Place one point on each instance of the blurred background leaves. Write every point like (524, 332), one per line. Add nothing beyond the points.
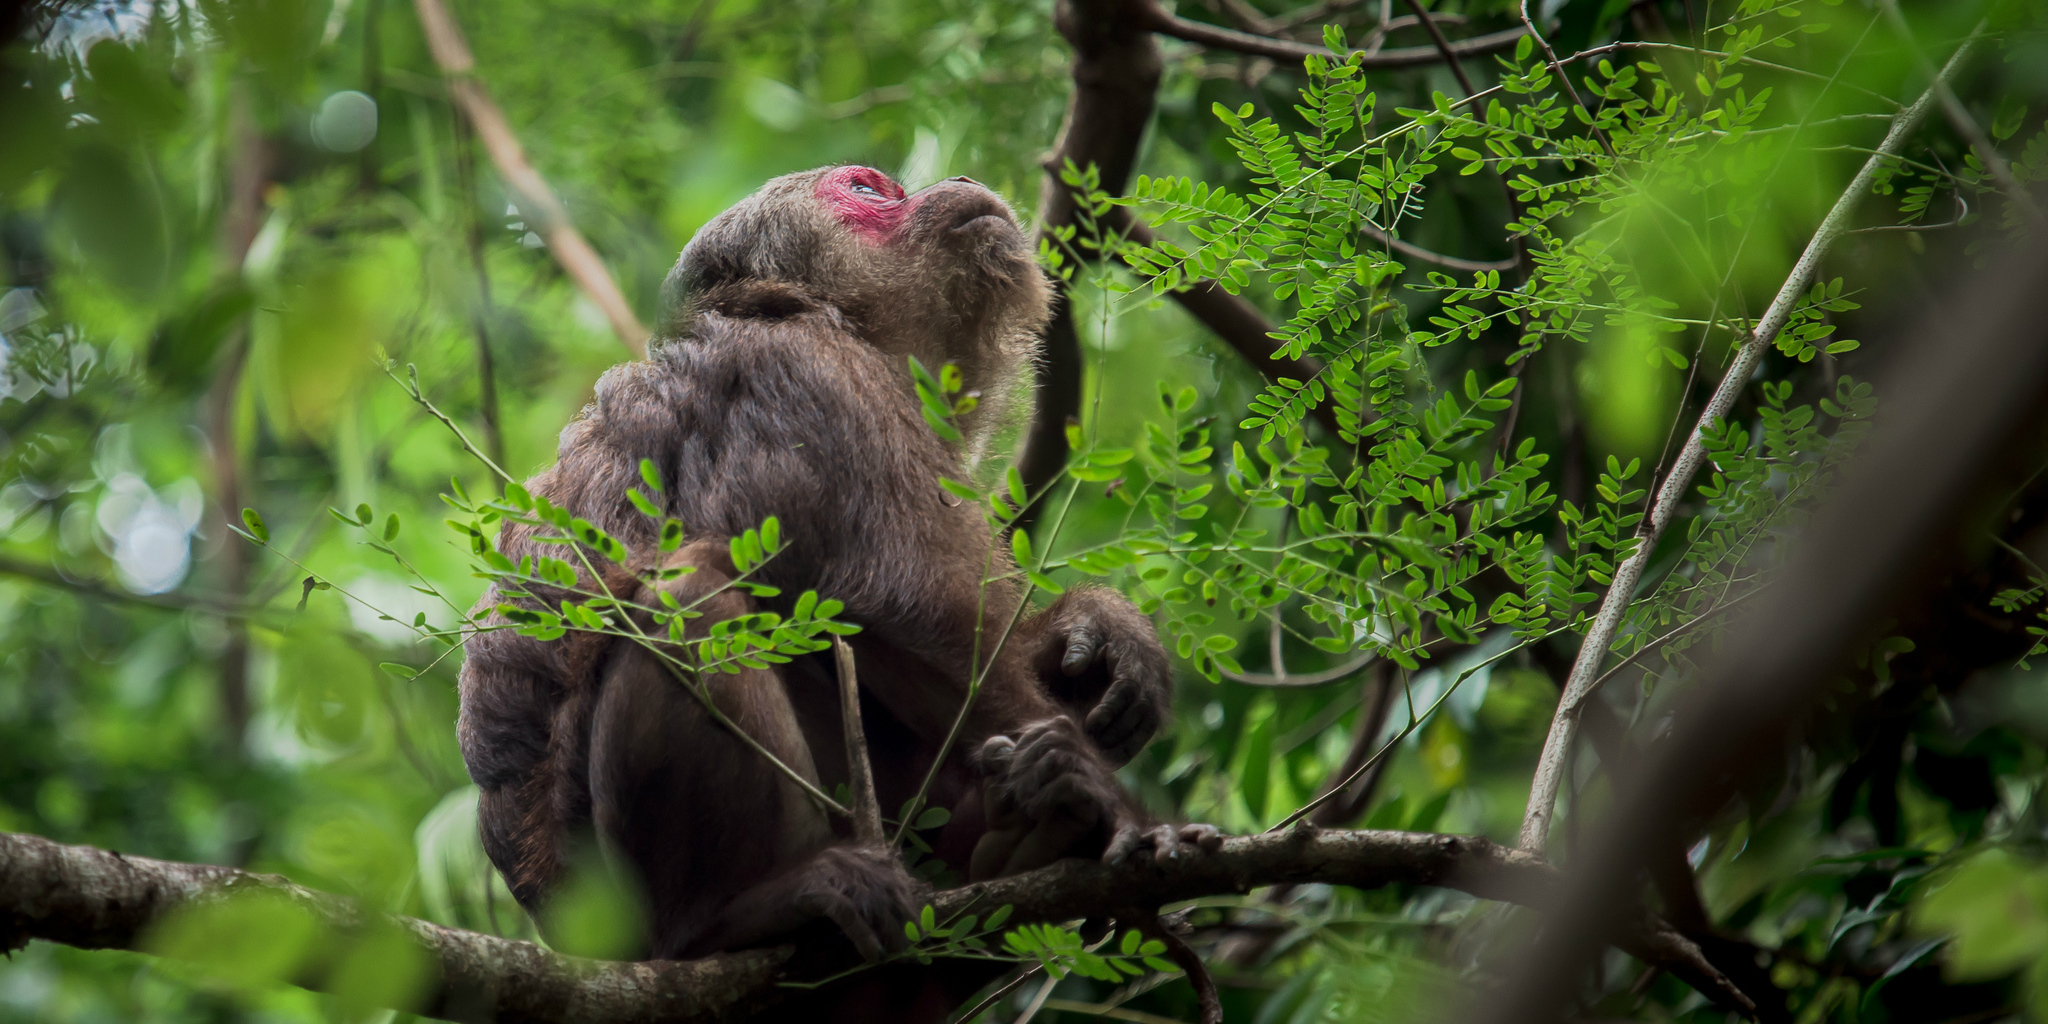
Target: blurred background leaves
(216, 217)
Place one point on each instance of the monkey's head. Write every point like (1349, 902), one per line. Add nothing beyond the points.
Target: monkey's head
(944, 273)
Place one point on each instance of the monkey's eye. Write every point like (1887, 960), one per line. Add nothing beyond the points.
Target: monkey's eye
(868, 190)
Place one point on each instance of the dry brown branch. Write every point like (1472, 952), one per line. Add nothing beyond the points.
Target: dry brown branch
(544, 213)
(1557, 69)
(1183, 954)
(867, 810)
(1414, 251)
(1550, 767)
(1443, 45)
(1218, 37)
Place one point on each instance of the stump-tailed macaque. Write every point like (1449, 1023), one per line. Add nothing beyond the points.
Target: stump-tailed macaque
(779, 385)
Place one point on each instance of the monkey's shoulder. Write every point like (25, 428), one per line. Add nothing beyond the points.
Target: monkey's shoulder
(738, 371)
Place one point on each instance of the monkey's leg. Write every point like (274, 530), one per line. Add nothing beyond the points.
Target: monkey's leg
(730, 850)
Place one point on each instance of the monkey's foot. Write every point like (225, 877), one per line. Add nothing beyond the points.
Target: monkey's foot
(863, 890)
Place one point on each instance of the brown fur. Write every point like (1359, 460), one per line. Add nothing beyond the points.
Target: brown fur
(780, 388)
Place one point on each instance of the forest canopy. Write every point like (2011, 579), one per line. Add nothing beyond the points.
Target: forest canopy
(1583, 456)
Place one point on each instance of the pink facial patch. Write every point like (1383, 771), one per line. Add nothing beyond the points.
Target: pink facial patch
(866, 201)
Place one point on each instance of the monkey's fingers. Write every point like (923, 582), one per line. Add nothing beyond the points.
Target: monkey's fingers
(1071, 797)
(1125, 719)
(995, 755)
(843, 913)
(1084, 645)
(992, 853)
(1047, 842)
(1166, 842)
(1208, 838)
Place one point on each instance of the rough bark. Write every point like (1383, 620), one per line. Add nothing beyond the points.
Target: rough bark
(97, 899)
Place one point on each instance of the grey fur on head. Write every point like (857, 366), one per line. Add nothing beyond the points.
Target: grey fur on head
(982, 301)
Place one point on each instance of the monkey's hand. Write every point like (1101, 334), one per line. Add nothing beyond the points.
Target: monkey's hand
(1102, 659)
(863, 890)
(1048, 794)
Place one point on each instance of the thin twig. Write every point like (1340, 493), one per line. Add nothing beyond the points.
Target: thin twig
(480, 317)
(1959, 117)
(1107, 1012)
(1282, 679)
(1516, 239)
(1550, 768)
(860, 772)
(1426, 256)
(1037, 1001)
(98, 590)
(993, 997)
(1443, 46)
(1414, 722)
(1217, 37)
(1148, 923)
(544, 213)
(1557, 69)
(1688, 626)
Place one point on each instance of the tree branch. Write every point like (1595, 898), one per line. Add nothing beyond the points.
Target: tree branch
(1116, 82)
(97, 899)
(537, 203)
(860, 772)
(1217, 37)
(1550, 767)
(1230, 317)
(1959, 117)
(1963, 423)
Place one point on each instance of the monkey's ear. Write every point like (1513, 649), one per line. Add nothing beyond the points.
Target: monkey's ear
(764, 300)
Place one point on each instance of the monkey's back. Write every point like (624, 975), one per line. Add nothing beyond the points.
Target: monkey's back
(795, 418)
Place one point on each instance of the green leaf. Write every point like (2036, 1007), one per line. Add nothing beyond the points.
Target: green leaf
(1020, 547)
(1045, 583)
(1254, 782)
(933, 817)
(254, 522)
(650, 474)
(364, 515)
(671, 535)
(390, 527)
(398, 671)
(1996, 906)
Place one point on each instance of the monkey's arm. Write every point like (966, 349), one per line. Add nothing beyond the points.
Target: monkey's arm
(525, 701)
(1101, 660)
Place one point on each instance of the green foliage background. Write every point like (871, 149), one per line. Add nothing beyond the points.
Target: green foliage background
(141, 361)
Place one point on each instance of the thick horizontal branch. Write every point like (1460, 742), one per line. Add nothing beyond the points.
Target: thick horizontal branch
(1361, 859)
(96, 899)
